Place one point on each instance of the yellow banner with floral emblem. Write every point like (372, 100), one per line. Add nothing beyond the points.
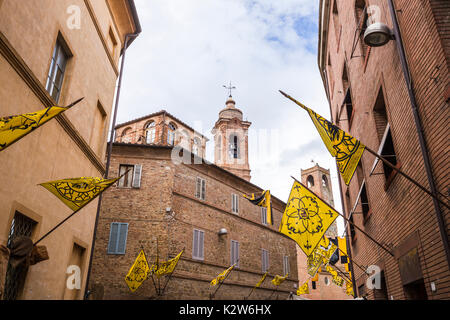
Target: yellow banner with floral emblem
(138, 272)
(277, 280)
(221, 277)
(304, 289)
(167, 267)
(306, 218)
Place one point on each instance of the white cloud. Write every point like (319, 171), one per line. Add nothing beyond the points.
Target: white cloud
(189, 49)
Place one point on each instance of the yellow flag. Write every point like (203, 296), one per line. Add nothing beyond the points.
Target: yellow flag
(346, 149)
(221, 276)
(304, 289)
(168, 266)
(261, 280)
(277, 280)
(336, 278)
(306, 218)
(13, 128)
(263, 200)
(77, 192)
(349, 288)
(138, 272)
(343, 252)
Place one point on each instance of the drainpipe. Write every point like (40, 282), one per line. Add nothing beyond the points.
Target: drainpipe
(127, 42)
(419, 129)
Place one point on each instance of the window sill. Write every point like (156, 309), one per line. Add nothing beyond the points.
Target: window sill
(392, 176)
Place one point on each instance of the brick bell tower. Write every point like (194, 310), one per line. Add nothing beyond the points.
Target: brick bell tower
(231, 140)
(318, 180)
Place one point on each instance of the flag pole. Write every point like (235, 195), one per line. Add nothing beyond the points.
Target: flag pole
(362, 231)
(142, 247)
(251, 291)
(168, 279)
(342, 273)
(352, 260)
(390, 165)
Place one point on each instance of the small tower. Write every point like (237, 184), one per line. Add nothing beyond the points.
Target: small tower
(231, 140)
(318, 180)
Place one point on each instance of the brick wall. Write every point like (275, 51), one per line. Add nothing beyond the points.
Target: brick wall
(398, 209)
(166, 185)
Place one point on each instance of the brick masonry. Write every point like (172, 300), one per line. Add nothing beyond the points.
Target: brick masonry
(167, 185)
(399, 211)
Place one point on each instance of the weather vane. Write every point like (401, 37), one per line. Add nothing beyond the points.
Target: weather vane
(229, 87)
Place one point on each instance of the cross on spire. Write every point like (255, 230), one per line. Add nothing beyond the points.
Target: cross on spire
(230, 87)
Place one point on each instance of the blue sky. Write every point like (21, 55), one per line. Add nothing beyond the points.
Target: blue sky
(189, 49)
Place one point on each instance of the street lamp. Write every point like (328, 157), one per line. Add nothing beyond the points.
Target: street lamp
(378, 34)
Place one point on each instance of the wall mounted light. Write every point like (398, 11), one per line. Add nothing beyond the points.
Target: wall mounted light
(223, 232)
(378, 34)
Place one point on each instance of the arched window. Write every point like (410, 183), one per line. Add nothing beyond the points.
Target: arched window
(125, 137)
(150, 132)
(324, 181)
(196, 146)
(234, 147)
(171, 134)
(310, 181)
(361, 17)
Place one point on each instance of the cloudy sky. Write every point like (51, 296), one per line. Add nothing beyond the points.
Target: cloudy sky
(188, 50)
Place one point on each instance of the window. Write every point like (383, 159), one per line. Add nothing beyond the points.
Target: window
(198, 244)
(98, 129)
(21, 225)
(352, 229)
(196, 146)
(324, 181)
(112, 42)
(171, 134)
(313, 285)
(364, 202)
(234, 147)
(200, 189)
(348, 107)
(57, 69)
(219, 148)
(264, 216)
(118, 238)
(264, 260)
(76, 259)
(336, 22)
(361, 20)
(310, 181)
(362, 290)
(126, 137)
(234, 203)
(286, 267)
(150, 131)
(234, 253)
(132, 178)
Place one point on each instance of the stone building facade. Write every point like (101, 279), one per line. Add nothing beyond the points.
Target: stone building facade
(185, 205)
(53, 52)
(318, 180)
(369, 98)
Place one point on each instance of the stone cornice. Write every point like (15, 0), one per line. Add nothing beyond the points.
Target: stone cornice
(21, 68)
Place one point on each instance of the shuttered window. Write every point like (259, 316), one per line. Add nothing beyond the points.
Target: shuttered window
(234, 253)
(286, 267)
(234, 203)
(264, 260)
(118, 238)
(197, 245)
(132, 178)
(200, 189)
(264, 216)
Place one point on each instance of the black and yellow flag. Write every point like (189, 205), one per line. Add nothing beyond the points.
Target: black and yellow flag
(138, 272)
(166, 267)
(13, 128)
(261, 280)
(306, 218)
(77, 192)
(346, 149)
(304, 289)
(277, 280)
(263, 200)
(221, 277)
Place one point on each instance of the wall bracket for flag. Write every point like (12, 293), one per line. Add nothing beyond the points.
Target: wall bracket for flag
(362, 231)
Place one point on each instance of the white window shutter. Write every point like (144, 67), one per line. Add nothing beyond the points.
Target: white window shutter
(137, 176)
